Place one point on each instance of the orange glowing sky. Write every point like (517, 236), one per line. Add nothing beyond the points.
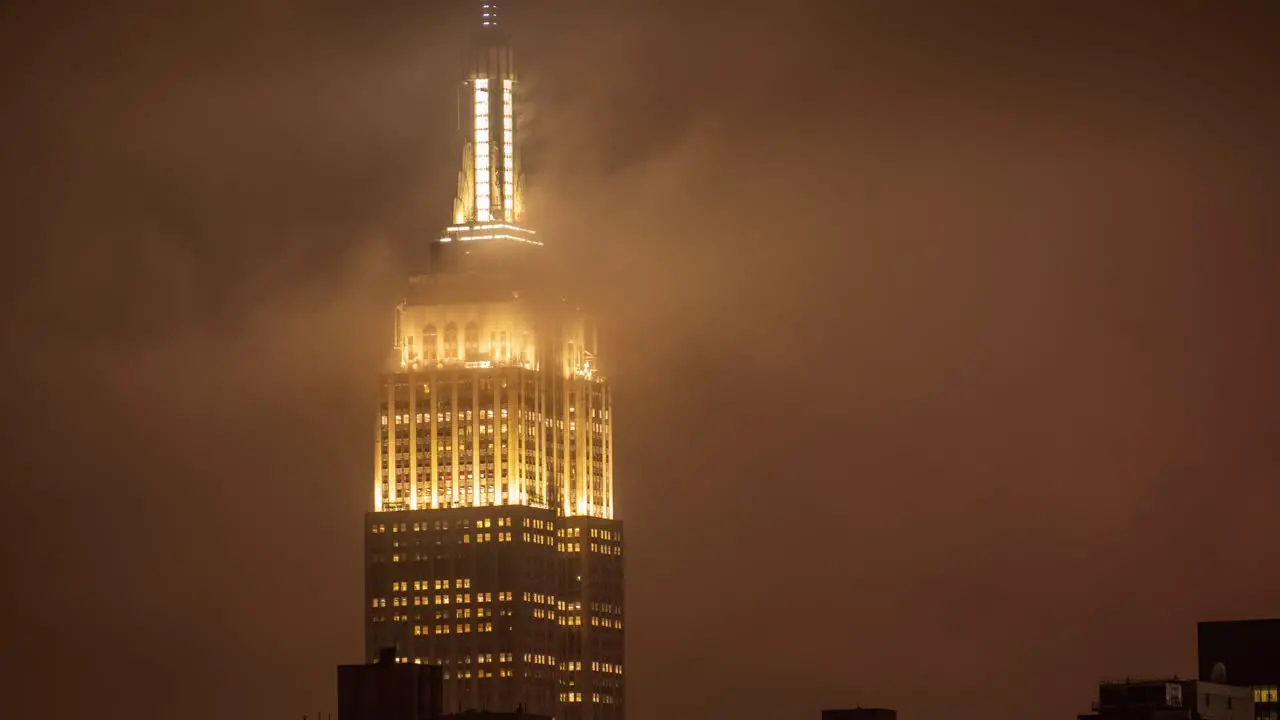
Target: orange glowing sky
(943, 337)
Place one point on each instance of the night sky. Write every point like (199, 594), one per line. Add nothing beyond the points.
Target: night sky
(945, 339)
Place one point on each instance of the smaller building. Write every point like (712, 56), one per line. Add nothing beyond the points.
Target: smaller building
(519, 714)
(1171, 699)
(860, 713)
(390, 690)
(1246, 653)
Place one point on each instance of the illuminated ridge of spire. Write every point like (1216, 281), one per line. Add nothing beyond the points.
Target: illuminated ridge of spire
(490, 200)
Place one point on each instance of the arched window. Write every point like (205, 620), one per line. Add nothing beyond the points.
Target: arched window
(473, 341)
(429, 348)
(451, 342)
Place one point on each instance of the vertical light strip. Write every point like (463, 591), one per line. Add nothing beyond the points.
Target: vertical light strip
(540, 446)
(578, 434)
(377, 462)
(508, 151)
(504, 459)
(495, 498)
(476, 424)
(588, 458)
(607, 419)
(455, 487)
(413, 444)
(391, 442)
(435, 450)
(518, 469)
(481, 119)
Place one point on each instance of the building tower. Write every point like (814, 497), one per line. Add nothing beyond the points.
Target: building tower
(492, 548)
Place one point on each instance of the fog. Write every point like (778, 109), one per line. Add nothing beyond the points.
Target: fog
(943, 338)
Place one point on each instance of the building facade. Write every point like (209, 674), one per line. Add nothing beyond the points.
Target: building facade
(492, 548)
(1171, 699)
(1243, 652)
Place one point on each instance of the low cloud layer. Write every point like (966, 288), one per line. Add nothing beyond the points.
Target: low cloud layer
(942, 339)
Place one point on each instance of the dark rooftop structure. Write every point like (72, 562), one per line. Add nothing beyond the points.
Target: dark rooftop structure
(389, 690)
(1244, 653)
(488, 715)
(1170, 699)
(1248, 650)
(860, 713)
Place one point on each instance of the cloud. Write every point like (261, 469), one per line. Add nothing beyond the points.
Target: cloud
(940, 339)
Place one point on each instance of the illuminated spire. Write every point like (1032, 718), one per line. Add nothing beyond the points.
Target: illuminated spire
(490, 185)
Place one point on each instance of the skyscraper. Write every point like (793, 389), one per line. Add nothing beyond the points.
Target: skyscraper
(492, 547)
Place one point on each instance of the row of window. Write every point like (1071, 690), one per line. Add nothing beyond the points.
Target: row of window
(471, 334)
(480, 674)
(460, 598)
(425, 600)
(462, 628)
(508, 537)
(445, 416)
(576, 697)
(466, 659)
(563, 620)
(576, 621)
(425, 526)
(468, 430)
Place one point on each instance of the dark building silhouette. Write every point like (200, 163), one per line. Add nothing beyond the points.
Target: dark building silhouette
(1170, 699)
(389, 690)
(485, 715)
(860, 713)
(1243, 652)
(492, 549)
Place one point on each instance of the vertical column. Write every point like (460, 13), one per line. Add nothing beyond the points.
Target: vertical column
(577, 430)
(499, 443)
(607, 424)
(587, 443)
(536, 471)
(399, 341)
(413, 441)
(508, 151)
(519, 466)
(377, 460)
(434, 443)
(571, 478)
(391, 439)
(476, 421)
(455, 483)
(480, 121)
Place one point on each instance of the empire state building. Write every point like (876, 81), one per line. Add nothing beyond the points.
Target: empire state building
(492, 549)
